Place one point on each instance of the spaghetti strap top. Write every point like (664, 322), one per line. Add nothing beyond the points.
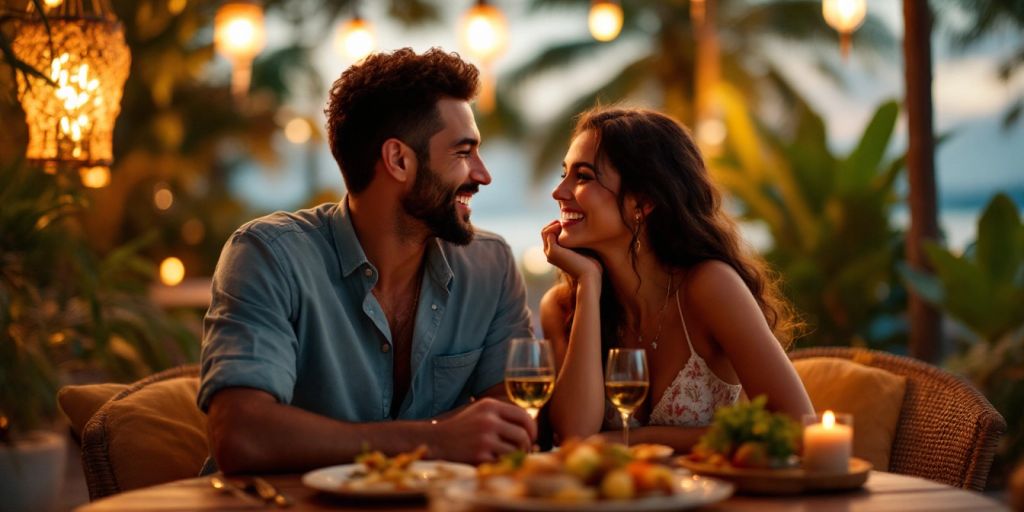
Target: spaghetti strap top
(696, 392)
(692, 397)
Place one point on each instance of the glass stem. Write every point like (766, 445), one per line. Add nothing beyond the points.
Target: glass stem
(625, 428)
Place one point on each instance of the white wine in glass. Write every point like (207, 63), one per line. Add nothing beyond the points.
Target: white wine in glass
(530, 374)
(626, 382)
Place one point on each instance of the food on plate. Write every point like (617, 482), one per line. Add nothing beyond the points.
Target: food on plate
(582, 470)
(746, 435)
(380, 473)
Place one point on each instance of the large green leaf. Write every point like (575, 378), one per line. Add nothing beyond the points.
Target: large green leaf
(861, 167)
(927, 285)
(968, 289)
(998, 251)
(743, 138)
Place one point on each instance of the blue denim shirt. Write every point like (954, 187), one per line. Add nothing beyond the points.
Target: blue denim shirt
(293, 315)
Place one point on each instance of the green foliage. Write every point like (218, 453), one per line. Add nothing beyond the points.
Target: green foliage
(983, 288)
(750, 422)
(64, 308)
(828, 215)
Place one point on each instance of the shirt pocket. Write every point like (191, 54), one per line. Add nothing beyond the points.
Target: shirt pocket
(451, 379)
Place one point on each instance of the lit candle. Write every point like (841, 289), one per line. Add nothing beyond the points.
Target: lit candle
(827, 445)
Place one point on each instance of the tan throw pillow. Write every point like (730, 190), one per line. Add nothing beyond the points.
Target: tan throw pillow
(873, 396)
(79, 403)
(152, 435)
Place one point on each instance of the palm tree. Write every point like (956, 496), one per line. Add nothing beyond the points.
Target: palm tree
(740, 29)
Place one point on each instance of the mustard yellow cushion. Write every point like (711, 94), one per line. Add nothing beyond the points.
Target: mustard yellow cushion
(80, 402)
(152, 435)
(874, 397)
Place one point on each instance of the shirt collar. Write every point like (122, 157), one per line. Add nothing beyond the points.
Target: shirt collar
(352, 257)
(350, 251)
(437, 264)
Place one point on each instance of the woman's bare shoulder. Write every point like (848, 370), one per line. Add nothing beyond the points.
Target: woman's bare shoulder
(713, 283)
(710, 275)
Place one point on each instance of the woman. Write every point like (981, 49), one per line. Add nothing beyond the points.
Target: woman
(651, 261)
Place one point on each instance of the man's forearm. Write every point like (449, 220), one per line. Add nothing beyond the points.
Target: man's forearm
(275, 437)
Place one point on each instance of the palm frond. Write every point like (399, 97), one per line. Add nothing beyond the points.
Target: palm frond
(553, 57)
(556, 133)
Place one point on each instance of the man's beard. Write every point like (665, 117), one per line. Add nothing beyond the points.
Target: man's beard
(433, 202)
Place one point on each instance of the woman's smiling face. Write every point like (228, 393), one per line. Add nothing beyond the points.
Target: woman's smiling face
(588, 199)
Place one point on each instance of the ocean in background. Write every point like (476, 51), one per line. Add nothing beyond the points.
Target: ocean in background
(522, 230)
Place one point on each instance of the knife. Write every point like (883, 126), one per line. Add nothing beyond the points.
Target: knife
(222, 484)
(269, 493)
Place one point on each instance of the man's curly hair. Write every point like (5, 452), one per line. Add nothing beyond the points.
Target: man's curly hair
(392, 95)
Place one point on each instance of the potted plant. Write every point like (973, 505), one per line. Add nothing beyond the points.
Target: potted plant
(983, 289)
(64, 309)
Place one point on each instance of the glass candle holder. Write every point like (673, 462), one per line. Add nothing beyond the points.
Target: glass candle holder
(828, 442)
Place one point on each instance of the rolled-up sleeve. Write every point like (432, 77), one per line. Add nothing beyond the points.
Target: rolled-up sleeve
(248, 336)
(511, 320)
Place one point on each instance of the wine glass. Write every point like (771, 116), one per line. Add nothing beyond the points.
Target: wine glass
(530, 374)
(626, 382)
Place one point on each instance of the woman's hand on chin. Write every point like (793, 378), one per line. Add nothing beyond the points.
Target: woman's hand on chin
(578, 266)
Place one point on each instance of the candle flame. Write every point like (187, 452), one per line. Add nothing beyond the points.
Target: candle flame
(828, 420)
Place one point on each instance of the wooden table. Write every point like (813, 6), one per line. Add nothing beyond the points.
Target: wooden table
(883, 492)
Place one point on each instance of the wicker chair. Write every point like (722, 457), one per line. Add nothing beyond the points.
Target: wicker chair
(145, 435)
(947, 430)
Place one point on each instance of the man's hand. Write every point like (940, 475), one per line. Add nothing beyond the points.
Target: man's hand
(483, 431)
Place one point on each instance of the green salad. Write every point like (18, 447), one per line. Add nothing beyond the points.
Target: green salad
(749, 436)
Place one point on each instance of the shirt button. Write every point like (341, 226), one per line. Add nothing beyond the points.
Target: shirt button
(368, 272)
(433, 306)
(384, 347)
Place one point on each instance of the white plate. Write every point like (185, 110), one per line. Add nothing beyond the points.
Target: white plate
(333, 479)
(692, 491)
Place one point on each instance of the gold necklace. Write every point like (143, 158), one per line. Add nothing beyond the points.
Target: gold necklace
(661, 321)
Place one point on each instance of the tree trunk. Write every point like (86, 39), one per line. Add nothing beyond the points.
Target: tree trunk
(925, 326)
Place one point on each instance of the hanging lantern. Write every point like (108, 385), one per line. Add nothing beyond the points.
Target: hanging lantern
(239, 35)
(355, 39)
(605, 20)
(845, 16)
(71, 121)
(484, 34)
(484, 31)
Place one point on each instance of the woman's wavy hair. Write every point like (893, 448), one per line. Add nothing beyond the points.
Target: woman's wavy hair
(661, 166)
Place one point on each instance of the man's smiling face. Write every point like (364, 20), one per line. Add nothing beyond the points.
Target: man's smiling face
(446, 183)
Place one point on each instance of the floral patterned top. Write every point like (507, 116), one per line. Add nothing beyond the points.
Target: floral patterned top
(692, 397)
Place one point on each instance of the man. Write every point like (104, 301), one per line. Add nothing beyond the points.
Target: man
(368, 323)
